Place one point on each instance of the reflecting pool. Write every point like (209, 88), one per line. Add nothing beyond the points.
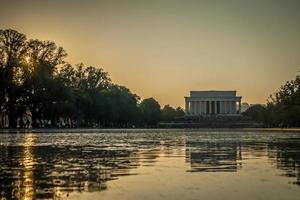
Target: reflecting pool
(150, 164)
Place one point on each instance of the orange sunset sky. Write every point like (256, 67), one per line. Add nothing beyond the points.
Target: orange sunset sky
(164, 49)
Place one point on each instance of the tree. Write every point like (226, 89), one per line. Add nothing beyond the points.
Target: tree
(179, 112)
(87, 85)
(43, 96)
(119, 106)
(283, 107)
(35, 77)
(256, 112)
(168, 113)
(285, 104)
(13, 50)
(150, 111)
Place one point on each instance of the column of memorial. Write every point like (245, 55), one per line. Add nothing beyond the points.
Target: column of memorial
(227, 107)
(187, 107)
(200, 107)
(197, 107)
(223, 107)
(230, 107)
(216, 107)
(234, 107)
(192, 107)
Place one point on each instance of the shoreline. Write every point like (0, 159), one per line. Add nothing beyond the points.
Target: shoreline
(103, 130)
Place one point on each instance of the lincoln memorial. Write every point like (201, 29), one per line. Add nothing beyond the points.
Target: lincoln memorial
(213, 102)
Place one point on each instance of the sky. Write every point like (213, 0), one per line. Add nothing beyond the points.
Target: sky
(164, 49)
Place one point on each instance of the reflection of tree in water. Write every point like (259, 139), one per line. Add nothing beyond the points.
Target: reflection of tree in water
(286, 156)
(213, 156)
(21, 181)
(59, 170)
(227, 156)
(53, 165)
(39, 170)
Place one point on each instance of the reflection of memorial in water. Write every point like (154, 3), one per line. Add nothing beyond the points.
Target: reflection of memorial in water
(285, 155)
(213, 157)
(48, 166)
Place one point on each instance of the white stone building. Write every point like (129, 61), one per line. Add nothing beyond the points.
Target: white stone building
(213, 102)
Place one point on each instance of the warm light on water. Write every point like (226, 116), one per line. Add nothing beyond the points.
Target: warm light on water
(150, 164)
(28, 164)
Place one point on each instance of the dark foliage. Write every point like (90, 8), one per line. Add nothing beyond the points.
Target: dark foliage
(282, 109)
(36, 81)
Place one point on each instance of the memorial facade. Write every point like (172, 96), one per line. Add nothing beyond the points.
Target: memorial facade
(213, 102)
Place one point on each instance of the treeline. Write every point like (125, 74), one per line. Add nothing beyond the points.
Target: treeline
(282, 109)
(36, 81)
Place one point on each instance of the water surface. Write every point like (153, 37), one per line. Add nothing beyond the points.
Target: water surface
(150, 164)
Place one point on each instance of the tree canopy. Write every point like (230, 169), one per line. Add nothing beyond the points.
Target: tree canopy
(36, 81)
(282, 109)
(150, 110)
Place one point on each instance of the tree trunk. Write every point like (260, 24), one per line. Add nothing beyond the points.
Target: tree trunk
(12, 119)
(33, 117)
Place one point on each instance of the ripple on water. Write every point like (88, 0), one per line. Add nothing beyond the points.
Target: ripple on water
(53, 164)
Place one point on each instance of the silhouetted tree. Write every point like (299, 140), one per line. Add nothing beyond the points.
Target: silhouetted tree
(13, 50)
(44, 92)
(179, 112)
(122, 106)
(87, 84)
(256, 112)
(150, 111)
(283, 108)
(168, 113)
(284, 105)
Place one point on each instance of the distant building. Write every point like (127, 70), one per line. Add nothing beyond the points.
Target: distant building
(213, 102)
